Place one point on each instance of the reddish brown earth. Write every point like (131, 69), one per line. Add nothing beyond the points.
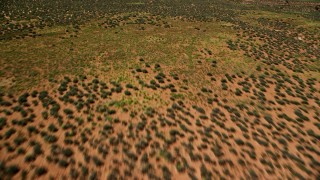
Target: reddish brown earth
(150, 134)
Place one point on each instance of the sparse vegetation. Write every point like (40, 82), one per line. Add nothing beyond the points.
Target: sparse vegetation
(159, 90)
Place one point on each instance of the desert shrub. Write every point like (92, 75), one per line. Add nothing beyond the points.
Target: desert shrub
(238, 92)
(37, 149)
(50, 138)
(75, 80)
(10, 148)
(45, 115)
(66, 79)
(74, 174)
(126, 92)
(198, 123)
(241, 162)
(301, 116)
(19, 140)
(30, 158)
(6, 112)
(239, 142)
(3, 122)
(166, 174)
(24, 174)
(40, 171)
(82, 77)
(12, 170)
(208, 159)
(107, 128)
(52, 128)
(144, 158)
(67, 152)
(205, 90)
(199, 109)
(310, 132)
(253, 174)
(34, 93)
(282, 141)
(157, 66)
(21, 150)
(180, 167)
(84, 171)
(216, 149)
(95, 81)
(54, 110)
(261, 142)
(118, 89)
(9, 133)
(32, 129)
(23, 98)
(111, 111)
(129, 86)
(150, 112)
(68, 111)
(245, 135)
(97, 161)
(269, 119)
(55, 149)
(63, 163)
(63, 87)
(5, 103)
(205, 174)
(22, 122)
(224, 86)
(23, 113)
(94, 176)
(204, 117)
(35, 102)
(146, 168)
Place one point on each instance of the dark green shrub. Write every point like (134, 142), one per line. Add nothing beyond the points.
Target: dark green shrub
(74, 173)
(67, 152)
(12, 170)
(3, 122)
(129, 86)
(19, 140)
(84, 171)
(238, 92)
(126, 92)
(144, 158)
(205, 174)
(97, 161)
(32, 129)
(23, 98)
(118, 89)
(216, 149)
(50, 138)
(45, 115)
(166, 174)
(30, 158)
(9, 133)
(21, 151)
(52, 128)
(34, 93)
(239, 142)
(94, 176)
(43, 95)
(37, 149)
(68, 111)
(40, 171)
(63, 163)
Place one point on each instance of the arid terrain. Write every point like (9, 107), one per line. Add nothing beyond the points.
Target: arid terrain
(159, 89)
